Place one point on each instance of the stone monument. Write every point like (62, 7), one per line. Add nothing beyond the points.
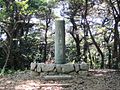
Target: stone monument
(60, 66)
(59, 42)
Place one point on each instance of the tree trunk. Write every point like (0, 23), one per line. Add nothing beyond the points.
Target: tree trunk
(45, 45)
(78, 49)
(109, 58)
(76, 38)
(47, 18)
(98, 48)
(90, 58)
(116, 45)
(85, 48)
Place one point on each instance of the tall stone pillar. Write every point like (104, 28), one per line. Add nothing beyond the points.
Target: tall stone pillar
(60, 42)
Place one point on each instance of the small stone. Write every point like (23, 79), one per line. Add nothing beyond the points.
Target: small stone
(39, 67)
(48, 67)
(67, 68)
(33, 66)
(84, 66)
(77, 67)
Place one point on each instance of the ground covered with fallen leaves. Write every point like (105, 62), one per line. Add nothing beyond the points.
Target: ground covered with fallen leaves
(94, 80)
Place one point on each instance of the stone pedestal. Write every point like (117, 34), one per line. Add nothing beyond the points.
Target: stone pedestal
(59, 68)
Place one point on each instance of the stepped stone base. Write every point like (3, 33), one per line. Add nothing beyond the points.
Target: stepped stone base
(57, 77)
(58, 68)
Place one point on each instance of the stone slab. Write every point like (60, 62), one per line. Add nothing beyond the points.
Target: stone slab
(59, 68)
(77, 67)
(39, 67)
(84, 66)
(48, 67)
(33, 65)
(58, 85)
(57, 77)
(67, 68)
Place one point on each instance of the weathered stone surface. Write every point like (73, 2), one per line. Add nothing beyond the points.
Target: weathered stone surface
(59, 68)
(39, 67)
(33, 65)
(58, 85)
(57, 77)
(77, 67)
(48, 67)
(52, 69)
(84, 66)
(60, 42)
(67, 68)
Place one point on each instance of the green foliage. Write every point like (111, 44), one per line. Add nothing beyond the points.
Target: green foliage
(3, 14)
(8, 72)
(36, 4)
(27, 7)
(71, 51)
(22, 5)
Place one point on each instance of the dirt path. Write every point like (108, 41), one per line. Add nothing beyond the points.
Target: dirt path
(95, 80)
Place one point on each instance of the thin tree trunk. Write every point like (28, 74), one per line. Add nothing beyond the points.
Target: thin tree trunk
(98, 49)
(6, 61)
(8, 52)
(76, 38)
(78, 50)
(45, 45)
(116, 45)
(109, 58)
(90, 58)
(47, 17)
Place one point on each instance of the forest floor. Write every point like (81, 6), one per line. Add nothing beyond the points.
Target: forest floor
(95, 80)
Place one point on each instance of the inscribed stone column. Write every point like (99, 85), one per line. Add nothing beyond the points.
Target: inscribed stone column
(60, 42)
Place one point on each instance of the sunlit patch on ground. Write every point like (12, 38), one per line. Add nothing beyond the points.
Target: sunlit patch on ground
(32, 85)
(101, 72)
(28, 85)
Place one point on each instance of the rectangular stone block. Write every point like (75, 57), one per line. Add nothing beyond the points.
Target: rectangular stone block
(39, 67)
(33, 66)
(84, 66)
(67, 68)
(48, 67)
(59, 68)
(77, 67)
(57, 77)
